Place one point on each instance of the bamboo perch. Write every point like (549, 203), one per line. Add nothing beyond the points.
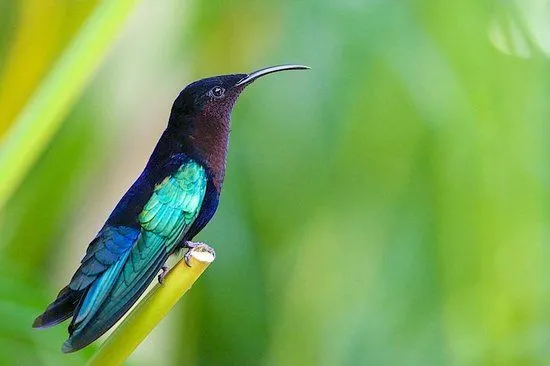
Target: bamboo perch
(153, 308)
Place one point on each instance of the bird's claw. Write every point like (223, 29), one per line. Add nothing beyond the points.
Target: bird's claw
(163, 274)
(187, 257)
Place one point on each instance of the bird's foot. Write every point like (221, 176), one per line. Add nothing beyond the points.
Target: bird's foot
(163, 274)
(187, 257)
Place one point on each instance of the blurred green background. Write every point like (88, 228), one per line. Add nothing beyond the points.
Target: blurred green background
(388, 207)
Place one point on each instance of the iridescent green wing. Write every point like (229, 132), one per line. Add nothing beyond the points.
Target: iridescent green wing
(165, 218)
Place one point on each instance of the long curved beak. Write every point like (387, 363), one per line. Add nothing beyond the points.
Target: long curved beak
(268, 70)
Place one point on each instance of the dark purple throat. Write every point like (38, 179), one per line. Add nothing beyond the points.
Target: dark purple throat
(210, 135)
(211, 141)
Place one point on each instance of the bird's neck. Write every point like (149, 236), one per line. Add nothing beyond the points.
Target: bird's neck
(203, 140)
(210, 139)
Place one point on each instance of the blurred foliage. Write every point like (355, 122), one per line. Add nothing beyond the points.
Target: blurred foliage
(44, 110)
(39, 32)
(389, 207)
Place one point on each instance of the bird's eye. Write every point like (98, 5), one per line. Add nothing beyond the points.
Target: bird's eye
(217, 92)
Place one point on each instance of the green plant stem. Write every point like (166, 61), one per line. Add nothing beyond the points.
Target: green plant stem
(41, 117)
(152, 309)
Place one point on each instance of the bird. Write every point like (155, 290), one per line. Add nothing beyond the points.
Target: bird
(170, 202)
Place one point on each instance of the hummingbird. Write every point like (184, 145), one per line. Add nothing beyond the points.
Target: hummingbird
(172, 200)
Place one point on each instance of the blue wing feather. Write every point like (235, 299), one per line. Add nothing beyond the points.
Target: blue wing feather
(98, 292)
(107, 248)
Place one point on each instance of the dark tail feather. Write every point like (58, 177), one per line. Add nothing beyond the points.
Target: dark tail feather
(109, 314)
(60, 310)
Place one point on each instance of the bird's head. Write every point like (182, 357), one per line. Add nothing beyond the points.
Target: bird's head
(200, 116)
(212, 99)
